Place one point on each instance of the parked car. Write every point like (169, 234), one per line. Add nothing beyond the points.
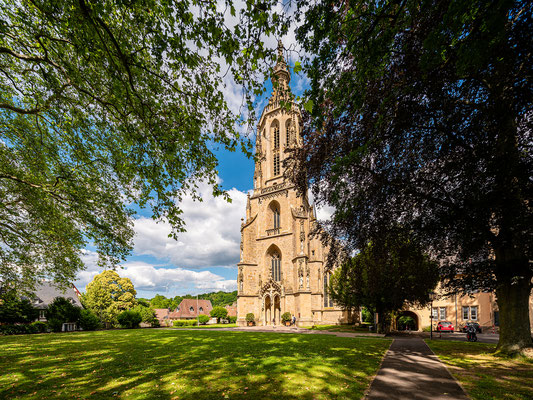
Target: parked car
(474, 324)
(445, 326)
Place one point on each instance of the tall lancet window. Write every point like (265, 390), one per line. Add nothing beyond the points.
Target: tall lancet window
(276, 164)
(288, 134)
(276, 267)
(276, 217)
(276, 136)
(327, 299)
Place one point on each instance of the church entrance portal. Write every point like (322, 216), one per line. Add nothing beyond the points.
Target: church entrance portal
(407, 320)
(272, 310)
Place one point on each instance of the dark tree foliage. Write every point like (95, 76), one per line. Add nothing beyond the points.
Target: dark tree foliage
(421, 114)
(129, 319)
(61, 310)
(388, 274)
(217, 299)
(13, 309)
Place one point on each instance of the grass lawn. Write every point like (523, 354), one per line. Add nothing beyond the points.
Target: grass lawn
(176, 364)
(207, 326)
(484, 375)
(338, 328)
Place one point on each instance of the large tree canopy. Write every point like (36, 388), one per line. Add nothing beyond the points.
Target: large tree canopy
(422, 116)
(388, 274)
(107, 104)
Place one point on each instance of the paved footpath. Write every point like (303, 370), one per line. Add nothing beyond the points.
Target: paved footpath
(410, 370)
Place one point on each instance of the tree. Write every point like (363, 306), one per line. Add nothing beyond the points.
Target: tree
(147, 314)
(108, 104)
(420, 113)
(219, 313)
(108, 294)
(13, 309)
(129, 319)
(61, 311)
(386, 275)
(203, 319)
(88, 320)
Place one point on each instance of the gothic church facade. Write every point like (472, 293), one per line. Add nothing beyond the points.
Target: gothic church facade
(281, 267)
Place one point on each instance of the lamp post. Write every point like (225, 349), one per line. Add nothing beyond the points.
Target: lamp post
(432, 297)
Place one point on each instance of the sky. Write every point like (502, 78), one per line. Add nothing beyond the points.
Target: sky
(203, 259)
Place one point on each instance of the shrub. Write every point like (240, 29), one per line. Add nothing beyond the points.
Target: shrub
(12, 329)
(185, 322)
(232, 320)
(156, 323)
(219, 313)
(39, 326)
(89, 321)
(59, 311)
(286, 316)
(204, 319)
(426, 329)
(367, 315)
(129, 319)
(250, 317)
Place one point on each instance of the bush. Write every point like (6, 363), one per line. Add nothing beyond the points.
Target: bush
(89, 321)
(204, 319)
(39, 326)
(250, 317)
(59, 311)
(232, 320)
(156, 323)
(129, 319)
(426, 329)
(367, 316)
(219, 313)
(12, 329)
(185, 322)
(286, 316)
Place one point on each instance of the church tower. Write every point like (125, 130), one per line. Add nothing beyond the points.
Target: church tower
(281, 268)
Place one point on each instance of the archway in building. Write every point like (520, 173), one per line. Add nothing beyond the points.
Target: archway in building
(277, 310)
(407, 320)
(268, 310)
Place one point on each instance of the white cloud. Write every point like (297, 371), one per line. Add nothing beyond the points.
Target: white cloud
(153, 278)
(212, 238)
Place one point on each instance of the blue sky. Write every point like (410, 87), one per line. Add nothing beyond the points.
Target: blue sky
(204, 258)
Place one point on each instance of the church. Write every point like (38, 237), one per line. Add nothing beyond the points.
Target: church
(281, 267)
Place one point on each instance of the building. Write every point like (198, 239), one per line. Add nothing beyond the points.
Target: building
(187, 309)
(281, 267)
(45, 294)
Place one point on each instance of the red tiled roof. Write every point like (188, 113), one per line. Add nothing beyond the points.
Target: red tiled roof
(161, 313)
(232, 310)
(188, 308)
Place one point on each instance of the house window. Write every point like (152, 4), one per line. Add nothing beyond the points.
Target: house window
(276, 267)
(473, 313)
(470, 313)
(276, 164)
(466, 312)
(327, 299)
(435, 313)
(42, 314)
(496, 318)
(442, 313)
(201, 309)
(191, 309)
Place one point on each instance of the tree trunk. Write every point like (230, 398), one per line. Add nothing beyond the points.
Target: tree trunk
(513, 303)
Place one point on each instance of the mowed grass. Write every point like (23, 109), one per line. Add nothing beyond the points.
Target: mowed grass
(486, 376)
(175, 364)
(338, 328)
(211, 326)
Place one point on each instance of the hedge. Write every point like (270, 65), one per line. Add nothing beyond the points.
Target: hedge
(185, 322)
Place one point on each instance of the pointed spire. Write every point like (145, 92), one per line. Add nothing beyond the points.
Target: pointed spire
(281, 70)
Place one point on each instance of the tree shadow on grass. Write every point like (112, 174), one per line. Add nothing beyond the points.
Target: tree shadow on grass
(159, 364)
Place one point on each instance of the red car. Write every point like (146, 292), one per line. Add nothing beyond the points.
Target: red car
(443, 326)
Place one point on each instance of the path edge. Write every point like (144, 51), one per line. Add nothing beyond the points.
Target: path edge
(367, 391)
(447, 369)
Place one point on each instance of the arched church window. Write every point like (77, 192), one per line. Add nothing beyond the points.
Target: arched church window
(276, 136)
(276, 267)
(327, 299)
(276, 217)
(288, 134)
(276, 164)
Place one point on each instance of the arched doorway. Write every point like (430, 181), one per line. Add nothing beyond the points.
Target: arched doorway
(277, 310)
(268, 310)
(407, 320)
